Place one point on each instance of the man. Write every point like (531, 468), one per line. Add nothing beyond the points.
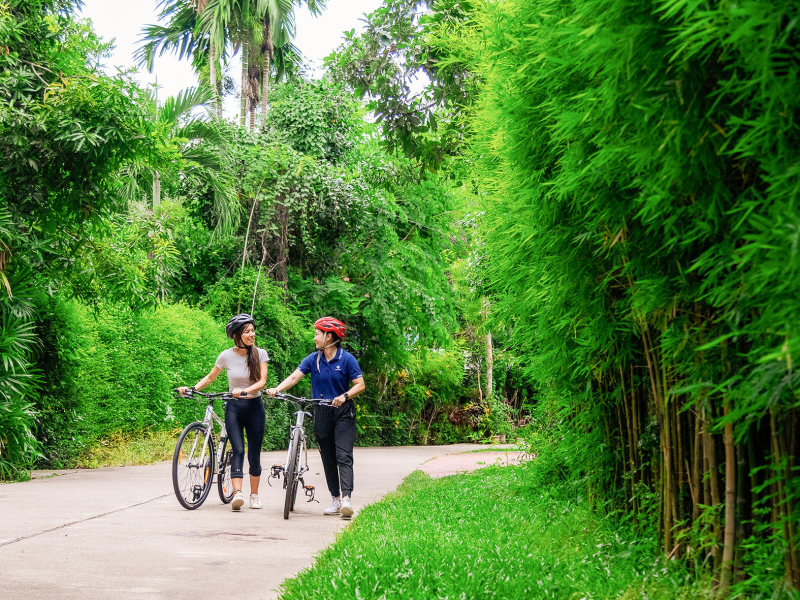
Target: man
(332, 371)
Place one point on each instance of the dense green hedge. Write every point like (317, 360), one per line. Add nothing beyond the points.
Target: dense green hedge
(112, 371)
(641, 178)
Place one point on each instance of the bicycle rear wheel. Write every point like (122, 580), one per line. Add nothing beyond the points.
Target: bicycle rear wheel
(291, 474)
(224, 483)
(192, 472)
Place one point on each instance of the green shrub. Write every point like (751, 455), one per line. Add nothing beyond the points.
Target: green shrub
(284, 331)
(19, 380)
(115, 371)
(19, 449)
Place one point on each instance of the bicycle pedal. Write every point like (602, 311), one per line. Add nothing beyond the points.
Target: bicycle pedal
(309, 490)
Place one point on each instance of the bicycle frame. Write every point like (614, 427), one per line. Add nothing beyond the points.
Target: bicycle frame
(208, 422)
(302, 456)
(300, 416)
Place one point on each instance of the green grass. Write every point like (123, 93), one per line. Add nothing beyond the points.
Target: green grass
(124, 449)
(494, 533)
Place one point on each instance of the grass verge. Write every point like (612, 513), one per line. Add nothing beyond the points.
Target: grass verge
(124, 449)
(493, 533)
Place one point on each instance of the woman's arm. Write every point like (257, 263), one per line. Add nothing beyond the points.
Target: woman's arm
(290, 381)
(358, 387)
(205, 381)
(256, 387)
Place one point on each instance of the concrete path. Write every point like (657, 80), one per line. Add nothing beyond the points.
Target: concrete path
(448, 464)
(120, 532)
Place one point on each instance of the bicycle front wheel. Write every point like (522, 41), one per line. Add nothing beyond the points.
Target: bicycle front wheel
(192, 466)
(291, 474)
(224, 484)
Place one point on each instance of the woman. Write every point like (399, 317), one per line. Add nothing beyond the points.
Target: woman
(246, 366)
(333, 370)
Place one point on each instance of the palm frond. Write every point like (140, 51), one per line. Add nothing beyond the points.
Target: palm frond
(182, 35)
(288, 61)
(177, 106)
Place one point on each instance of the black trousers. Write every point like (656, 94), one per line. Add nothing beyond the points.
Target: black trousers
(335, 429)
(243, 415)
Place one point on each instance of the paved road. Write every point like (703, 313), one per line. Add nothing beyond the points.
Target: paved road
(120, 532)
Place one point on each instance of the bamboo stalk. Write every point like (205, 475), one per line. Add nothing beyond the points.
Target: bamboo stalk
(631, 446)
(696, 468)
(783, 503)
(730, 508)
(711, 456)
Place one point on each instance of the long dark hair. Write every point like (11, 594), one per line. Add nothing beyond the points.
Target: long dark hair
(253, 356)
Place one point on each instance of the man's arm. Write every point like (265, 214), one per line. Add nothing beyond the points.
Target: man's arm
(287, 383)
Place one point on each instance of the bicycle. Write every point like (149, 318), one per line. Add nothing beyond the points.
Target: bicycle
(194, 460)
(293, 469)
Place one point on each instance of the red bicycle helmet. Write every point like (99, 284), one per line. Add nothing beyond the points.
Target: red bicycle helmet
(333, 325)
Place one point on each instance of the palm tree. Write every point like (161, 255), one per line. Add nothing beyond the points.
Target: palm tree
(197, 26)
(185, 34)
(203, 147)
(233, 21)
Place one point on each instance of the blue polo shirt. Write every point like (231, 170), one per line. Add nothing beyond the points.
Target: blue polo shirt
(332, 378)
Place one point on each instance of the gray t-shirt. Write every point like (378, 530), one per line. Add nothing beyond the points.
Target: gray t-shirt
(236, 368)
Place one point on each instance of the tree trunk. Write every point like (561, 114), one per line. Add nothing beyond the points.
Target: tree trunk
(252, 115)
(489, 364)
(216, 104)
(245, 84)
(268, 51)
(156, 189)
(730, 508)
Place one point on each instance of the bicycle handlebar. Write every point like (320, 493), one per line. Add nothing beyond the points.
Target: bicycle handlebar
(290, 398)
(190, 393)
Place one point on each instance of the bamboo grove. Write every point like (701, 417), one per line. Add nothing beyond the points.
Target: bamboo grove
(640, 165)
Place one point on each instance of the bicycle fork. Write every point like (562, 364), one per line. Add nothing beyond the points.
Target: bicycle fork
(302, 465)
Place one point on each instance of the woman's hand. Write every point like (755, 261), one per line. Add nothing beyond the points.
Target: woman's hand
(272, 391)
(182, 390)
(237, 392)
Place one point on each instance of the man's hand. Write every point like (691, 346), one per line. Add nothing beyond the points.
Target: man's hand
(271, 392)
(182, 390)
(338, 401)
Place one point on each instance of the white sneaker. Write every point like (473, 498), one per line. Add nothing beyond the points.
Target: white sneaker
(346, 509)
(255, 501)
(238, 501)
(333, 509)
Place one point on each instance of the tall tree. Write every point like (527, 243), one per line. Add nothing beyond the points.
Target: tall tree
(187, 35)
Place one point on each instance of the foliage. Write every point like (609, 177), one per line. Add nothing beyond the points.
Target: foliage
(387, 62)
(18, 447)
(640, 181)
(114, 371)
(65, 129)
(491, 533)
(187, 145)
(134, 262)
(315, 119)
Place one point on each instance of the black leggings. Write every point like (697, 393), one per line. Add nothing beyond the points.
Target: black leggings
(245, 415)
(335, 429)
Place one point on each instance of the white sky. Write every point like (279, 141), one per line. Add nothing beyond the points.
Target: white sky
(123, 22)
